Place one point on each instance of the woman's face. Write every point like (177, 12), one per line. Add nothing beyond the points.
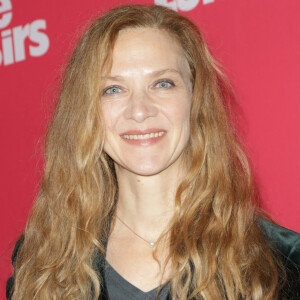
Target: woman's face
(146, 102)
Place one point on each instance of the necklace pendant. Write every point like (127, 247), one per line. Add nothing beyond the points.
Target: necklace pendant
(151, 244)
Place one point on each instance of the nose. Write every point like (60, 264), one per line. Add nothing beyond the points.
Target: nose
(140, 107)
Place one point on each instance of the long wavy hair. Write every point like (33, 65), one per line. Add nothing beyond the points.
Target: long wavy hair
(217, 249)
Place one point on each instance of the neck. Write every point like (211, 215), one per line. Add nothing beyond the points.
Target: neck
(146, 202)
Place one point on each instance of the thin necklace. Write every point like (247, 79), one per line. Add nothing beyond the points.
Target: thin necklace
(150, 243)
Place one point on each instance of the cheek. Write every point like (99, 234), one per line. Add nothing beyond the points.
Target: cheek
(109, 115)
(180, 115)
(183, 122)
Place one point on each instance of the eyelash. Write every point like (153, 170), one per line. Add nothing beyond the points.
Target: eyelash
(172, 84)
(166, 81)
(105, 91)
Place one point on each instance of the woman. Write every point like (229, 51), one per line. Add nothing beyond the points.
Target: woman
(146, 192)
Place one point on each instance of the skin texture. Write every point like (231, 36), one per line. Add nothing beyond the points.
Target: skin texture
(148, 90)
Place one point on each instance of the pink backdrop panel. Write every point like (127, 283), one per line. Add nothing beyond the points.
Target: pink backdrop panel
(257, 42)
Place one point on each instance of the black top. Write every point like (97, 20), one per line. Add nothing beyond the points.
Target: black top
(286, 241)
(118, 288)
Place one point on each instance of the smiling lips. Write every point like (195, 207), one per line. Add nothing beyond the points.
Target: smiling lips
(143, 138)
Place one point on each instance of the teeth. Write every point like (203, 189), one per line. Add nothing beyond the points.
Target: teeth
(143, 136)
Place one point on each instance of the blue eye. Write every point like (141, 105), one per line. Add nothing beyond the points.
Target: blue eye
(112, 90)
(164, 84)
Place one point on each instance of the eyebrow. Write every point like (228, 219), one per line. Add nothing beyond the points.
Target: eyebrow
(161, 72)
(153, 73)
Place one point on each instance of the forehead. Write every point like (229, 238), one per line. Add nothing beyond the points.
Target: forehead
(147, 33)
(148, 48)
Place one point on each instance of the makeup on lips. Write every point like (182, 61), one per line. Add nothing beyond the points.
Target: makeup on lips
(143, 137)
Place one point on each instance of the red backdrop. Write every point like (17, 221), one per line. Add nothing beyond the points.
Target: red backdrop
(257, 42)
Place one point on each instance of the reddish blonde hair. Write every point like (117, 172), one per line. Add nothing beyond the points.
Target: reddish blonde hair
(216, 247)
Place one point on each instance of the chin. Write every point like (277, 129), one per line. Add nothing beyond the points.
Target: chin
(146, 170)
